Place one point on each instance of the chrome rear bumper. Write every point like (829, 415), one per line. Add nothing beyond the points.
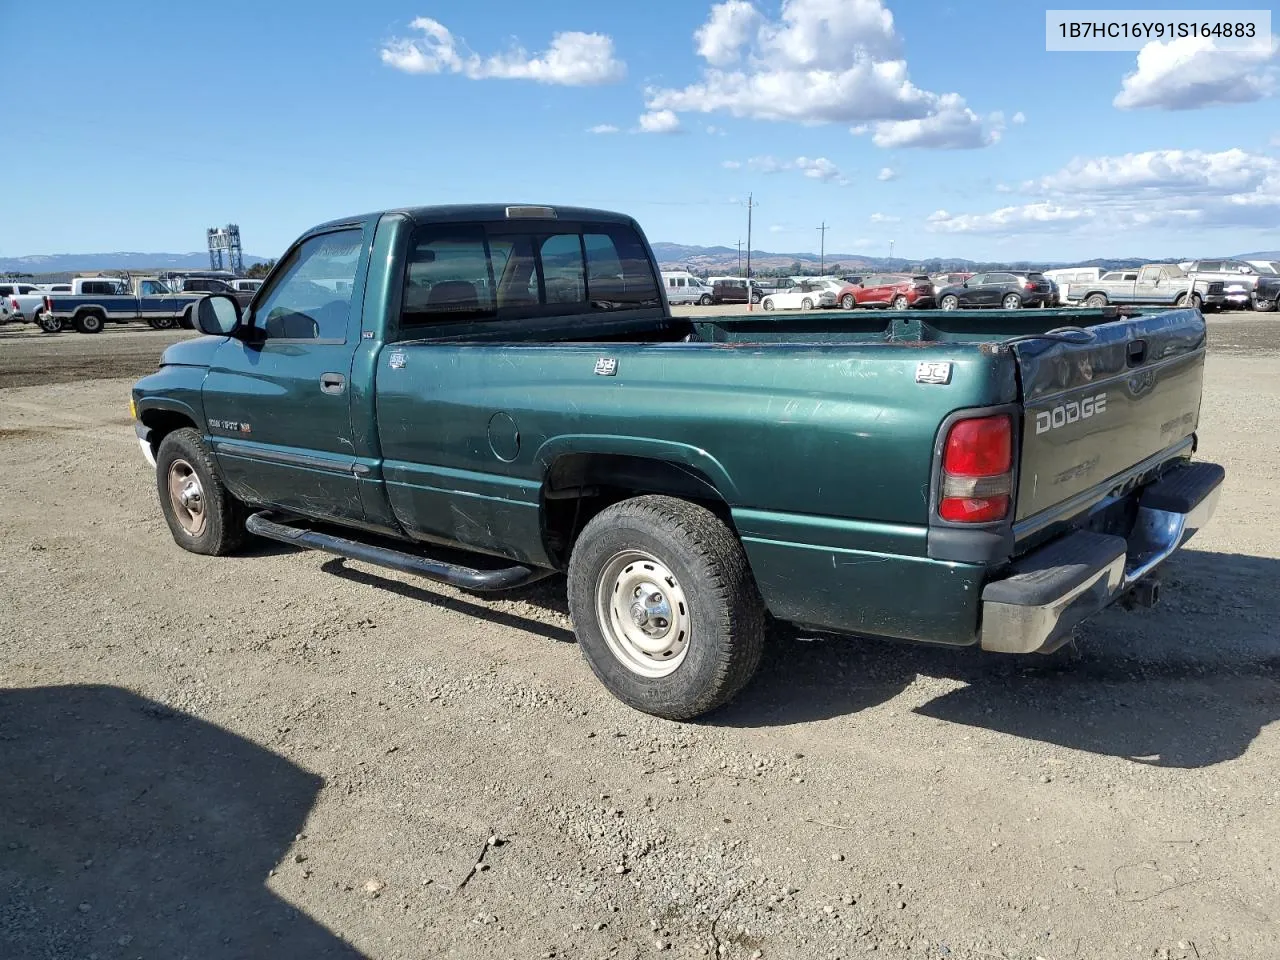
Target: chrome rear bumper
(1053, 589)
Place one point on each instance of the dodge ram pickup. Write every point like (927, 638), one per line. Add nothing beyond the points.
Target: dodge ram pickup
(118, 301)
(488, 395)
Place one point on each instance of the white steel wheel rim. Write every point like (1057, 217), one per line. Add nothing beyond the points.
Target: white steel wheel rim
(643, 614)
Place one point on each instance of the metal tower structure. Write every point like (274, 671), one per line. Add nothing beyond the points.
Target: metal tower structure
(226, 240)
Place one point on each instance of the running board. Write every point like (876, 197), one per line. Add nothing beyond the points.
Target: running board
(468, 578)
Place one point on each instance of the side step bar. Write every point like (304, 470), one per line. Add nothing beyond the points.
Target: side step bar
(468, 578)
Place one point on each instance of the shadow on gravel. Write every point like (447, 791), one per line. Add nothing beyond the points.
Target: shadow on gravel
(547, 594)
(1188, 684)
(131, 830)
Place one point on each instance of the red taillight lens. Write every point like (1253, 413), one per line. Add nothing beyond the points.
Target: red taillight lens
(977, 470)
(1029, 285)
(48, 303)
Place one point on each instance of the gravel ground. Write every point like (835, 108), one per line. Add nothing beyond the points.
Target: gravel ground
(282, 755)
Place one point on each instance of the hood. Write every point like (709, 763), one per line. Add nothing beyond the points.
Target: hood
(192, 353)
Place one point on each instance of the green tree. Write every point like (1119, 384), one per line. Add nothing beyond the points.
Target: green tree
(259, 270)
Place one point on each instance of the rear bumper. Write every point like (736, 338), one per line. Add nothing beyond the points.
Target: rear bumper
(1052, 590)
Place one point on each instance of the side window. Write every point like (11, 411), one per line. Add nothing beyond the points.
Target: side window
(311, 298)
(977, 280)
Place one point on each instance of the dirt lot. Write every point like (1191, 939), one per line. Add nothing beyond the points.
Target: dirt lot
(281, 755)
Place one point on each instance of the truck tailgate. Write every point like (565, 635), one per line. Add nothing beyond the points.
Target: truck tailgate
(1095, 410)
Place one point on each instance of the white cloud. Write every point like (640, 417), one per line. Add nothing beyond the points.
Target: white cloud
(886, 173)
(820, 168)
(573, 59)
(603, 128)
(1003, 188)
(659, 121)
(884, 218)
(1173, 190)
(815, 168)
(1041, 216)
(1018, 119)
(862, 242)
(728, 29)
(951, 125)
(778, 228)
(821, 61)
(715, 131)
(1190, 73)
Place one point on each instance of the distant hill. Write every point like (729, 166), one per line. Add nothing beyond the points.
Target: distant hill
(712, 260)
(1258, 255)
(77, 262)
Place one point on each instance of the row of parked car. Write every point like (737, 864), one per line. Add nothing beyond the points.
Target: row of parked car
(87, 304)
(1206, 284)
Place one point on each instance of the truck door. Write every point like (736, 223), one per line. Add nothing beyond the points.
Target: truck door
(1149, 288)
(278, 410)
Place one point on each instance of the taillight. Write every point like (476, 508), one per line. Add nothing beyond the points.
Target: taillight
(16, 308)
(977, 470)
(1029, 285)
(48, 303)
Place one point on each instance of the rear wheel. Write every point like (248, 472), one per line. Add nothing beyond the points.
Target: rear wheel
(202, 515)
(950, 302)
(48, 323)
(768, 303)
(665, 608)
(806, 304)
(755, 298)
(848, 301)
(1096, 300)
(89, 322)
(900, 302)
(1012, 302)
(1264, 306)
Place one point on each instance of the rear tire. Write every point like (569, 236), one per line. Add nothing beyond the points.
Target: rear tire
(665, 608)
(48, 323)
(901, 303)
(848, 301)
(1096, 300)
(1264, 306)
(806, 304)
(768, 303)
(1012, 302)
(89, 322)
(202, 515)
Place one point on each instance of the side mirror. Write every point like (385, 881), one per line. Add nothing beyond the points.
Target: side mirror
(217, 315)
(965, 284)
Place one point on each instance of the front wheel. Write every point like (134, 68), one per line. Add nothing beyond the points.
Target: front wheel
(848, 302)
(806, 304)
(705, 300)
(950, 302)
(1012, 302)
(1196, 301)
(89, 322)
(665, 608)
(162, 323)
(900, 302)
(768, 303)
(202, 514)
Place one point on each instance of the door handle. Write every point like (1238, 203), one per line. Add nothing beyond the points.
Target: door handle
(332, 383)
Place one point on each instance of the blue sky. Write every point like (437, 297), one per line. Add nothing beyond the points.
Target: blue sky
(946, 128)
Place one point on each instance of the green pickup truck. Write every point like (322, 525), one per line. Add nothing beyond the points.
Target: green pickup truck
(489, 395)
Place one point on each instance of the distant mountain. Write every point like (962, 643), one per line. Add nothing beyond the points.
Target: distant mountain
(714, 260)
(75, 262)
(1258, 255)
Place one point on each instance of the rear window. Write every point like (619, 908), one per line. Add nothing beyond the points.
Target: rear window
(474, 272)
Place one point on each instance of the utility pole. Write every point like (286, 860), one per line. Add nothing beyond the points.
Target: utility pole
(822, 255)
(739, 256)
(891, 253)
(751, 205)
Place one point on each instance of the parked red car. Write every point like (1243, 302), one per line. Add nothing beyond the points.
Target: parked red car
(898, 291)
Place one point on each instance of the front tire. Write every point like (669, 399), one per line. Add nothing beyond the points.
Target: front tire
(1012, 302)
(89, 322)
(848, 301)
(202, 514)
(162, 323)
(664, 606)
(901, 303)
(950, 302)
(1196, 301)
(705, 300)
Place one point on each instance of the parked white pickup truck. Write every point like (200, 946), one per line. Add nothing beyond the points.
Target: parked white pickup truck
(24, 302)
